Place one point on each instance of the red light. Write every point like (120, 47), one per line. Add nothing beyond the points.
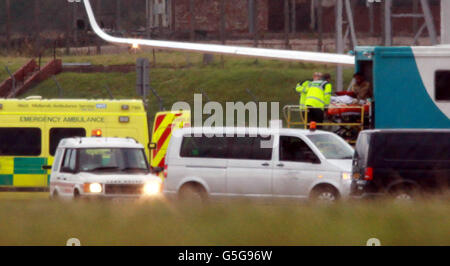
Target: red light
(368, 175)
(165, 171)
(312, 126)
(97, 133)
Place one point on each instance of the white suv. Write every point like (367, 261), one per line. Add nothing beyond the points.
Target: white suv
(102, 167)
(260, 163)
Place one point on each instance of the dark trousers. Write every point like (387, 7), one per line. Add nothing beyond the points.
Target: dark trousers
(316, 115)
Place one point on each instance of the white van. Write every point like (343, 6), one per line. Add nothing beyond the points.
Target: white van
(256, 162)
(102, 167)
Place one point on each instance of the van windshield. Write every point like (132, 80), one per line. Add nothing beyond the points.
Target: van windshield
(332, 147)
(112, 159)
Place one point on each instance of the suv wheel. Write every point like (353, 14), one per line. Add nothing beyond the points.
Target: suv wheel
(76, 194)
(55, 195)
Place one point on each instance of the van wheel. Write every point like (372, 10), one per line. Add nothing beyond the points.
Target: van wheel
(403, 192)
(325, 194)
(192, 193)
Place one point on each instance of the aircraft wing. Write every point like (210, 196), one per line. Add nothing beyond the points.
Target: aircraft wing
(313, 57)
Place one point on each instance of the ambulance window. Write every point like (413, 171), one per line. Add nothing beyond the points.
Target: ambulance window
(57, 134)
(73, 160)
(57, 161)
(20, 141)
(441, 83)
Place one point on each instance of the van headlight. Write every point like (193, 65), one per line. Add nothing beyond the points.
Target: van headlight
(93, 188)
(346, 176)
(152, 188)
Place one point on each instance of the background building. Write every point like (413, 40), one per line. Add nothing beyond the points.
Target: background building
(59, 23)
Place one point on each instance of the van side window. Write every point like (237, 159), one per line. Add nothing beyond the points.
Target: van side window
(20, 141)
(240, 147)
(293, 149)
(260, 151)
(57, 134)
(420, 147)
(69, 160)
(249, 148)
(441, 81)
(204, 147)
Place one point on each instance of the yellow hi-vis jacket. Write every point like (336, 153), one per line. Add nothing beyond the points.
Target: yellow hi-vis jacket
(301, 88)
(318, 94)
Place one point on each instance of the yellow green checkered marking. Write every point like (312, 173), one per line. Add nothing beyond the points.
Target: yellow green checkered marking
(23, 172)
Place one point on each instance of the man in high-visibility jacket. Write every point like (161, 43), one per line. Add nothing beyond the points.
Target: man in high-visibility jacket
(318, 97)
(303, 86)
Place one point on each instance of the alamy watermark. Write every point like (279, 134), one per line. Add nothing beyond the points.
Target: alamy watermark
(253, 116)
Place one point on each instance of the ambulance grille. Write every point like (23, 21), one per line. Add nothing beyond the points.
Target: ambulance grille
(123, 189)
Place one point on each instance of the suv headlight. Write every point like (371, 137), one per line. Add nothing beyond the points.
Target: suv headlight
(152, 188)
(93, 187)
(346, 176)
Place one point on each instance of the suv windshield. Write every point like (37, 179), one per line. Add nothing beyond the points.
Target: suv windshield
(332, 147)
(112, 159)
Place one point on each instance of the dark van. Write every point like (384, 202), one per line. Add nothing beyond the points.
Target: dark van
(401, 163)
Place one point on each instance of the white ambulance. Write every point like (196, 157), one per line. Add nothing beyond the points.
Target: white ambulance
(102, 168)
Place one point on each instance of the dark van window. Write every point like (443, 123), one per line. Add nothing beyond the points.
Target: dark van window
(204, 147)
(415, 147)
(57, 134)
(250, 148)
(262, 148)
(293, 149)
(442, 87)
(20, 141)
(240, 147)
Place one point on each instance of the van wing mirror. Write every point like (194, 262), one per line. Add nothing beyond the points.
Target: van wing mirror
(67, 170)
(157, 169)
(315, 160)
(312, 158)
(152, 146)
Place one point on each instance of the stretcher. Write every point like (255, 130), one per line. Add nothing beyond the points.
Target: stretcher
(342, 114)
(347, 109)
(346, 120)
